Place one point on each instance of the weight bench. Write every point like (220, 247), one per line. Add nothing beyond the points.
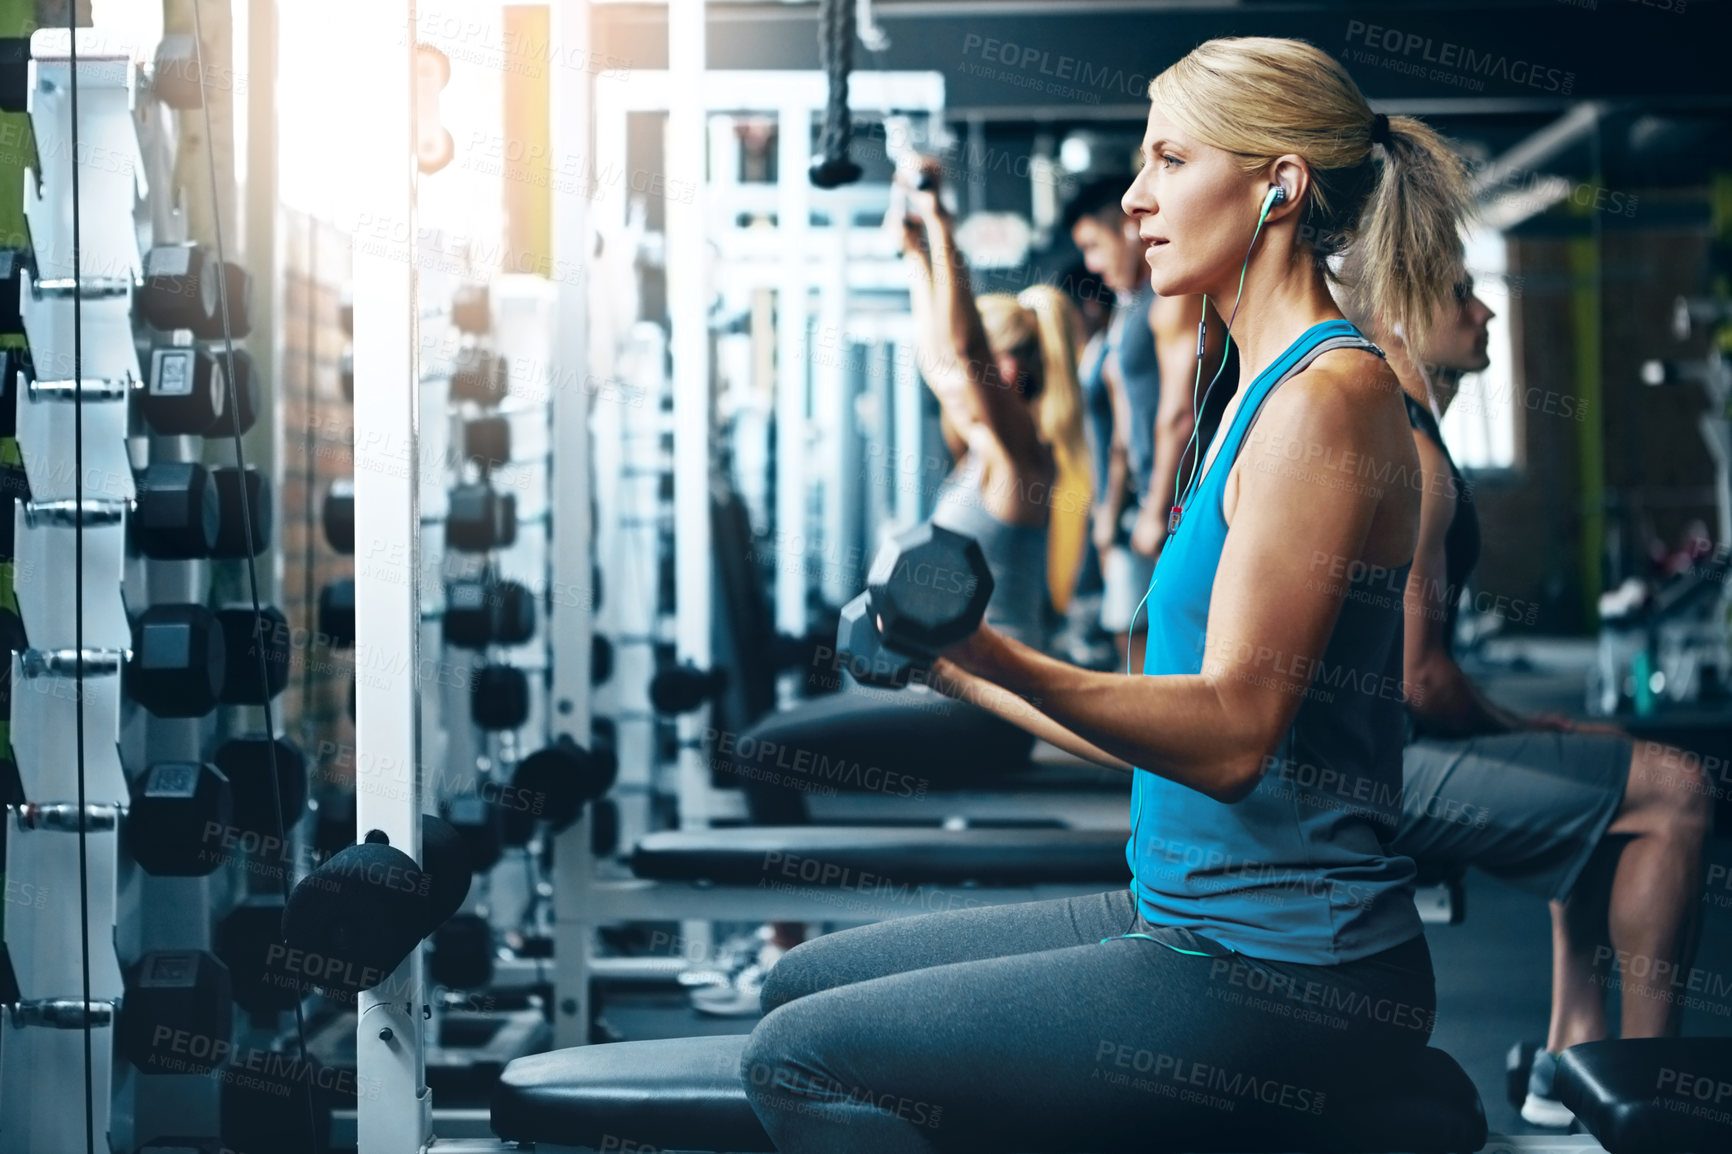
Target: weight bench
(892, 867)
(686, 1094)
(1651, 1095)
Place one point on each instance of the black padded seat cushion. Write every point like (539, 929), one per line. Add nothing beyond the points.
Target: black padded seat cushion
(671, 1094)
(686, 1094)
(1651, 1095)
(817, 855)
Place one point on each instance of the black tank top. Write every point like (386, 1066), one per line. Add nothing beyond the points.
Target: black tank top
(1461, 539)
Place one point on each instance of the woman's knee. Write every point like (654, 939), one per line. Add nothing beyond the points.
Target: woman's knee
(795, 974)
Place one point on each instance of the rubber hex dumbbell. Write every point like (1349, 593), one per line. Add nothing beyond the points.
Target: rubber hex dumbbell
(928, 588)
(14, 262)
(248, 638)
(554, 784)
(15, 74)
(483, 613)
(498, 698)
(337, 613)
(233, 486)
(181, 290)
(16, 371)
(480, 518)
(176, 1014)
(179, 661)
(471, 309)
(243, 413)
(248, 761)
(176, 817)
(185, 392)
(338, 516)
(249, 941)
(860, 649)
(176, 514)
(480, 375)
(487, 441)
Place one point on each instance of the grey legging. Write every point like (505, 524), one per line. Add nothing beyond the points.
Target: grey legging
(1008, 1028)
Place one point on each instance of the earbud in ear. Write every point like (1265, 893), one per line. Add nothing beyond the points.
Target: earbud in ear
(1277, 195)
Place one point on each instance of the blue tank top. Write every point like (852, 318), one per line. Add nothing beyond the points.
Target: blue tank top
(1300, 870)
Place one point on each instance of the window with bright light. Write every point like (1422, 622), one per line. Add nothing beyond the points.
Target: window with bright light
(1480, 427)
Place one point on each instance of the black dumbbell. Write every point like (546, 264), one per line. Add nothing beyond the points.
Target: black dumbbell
(928, 588)
(249, 941)
(487, 441)
(480, 518)
(14, 262)
(554, 783)
(233, 486)
(600, 659)
(176, 818)
(483, 613)
(186, 391)
(176, 515)
(861, 652)
(479, 823)
(685, 687)
(361, 912)
(244, 412)
(246, 638)
(339, 516)
(337, 613)
(15, 74)
(463, 953)
(604, 828)
(480, 375)
(498, 698)
(246, 760)
(472, 310)
(176, 1014)
(179, 661)
(15, 362)
(181, 291)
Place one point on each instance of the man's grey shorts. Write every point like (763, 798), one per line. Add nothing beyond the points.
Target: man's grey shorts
(1529, 808)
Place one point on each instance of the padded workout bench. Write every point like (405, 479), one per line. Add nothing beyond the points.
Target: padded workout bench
(686, 1094)
(828, 873)
(1642, 1096)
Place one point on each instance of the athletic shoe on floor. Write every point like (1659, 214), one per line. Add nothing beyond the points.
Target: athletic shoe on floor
(743, 996)
(1542, 1107)
(740, 998)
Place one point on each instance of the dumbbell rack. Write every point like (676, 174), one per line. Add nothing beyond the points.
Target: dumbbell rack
(42, 1060)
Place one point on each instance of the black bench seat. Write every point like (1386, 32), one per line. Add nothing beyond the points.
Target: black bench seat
(686, 1094)
(817, 855)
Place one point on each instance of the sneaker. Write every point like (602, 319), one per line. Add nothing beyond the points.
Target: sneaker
(731, 956)
(1541, 1108)
(740, 998)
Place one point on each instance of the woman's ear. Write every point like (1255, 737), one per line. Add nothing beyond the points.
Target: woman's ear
(1291, 173)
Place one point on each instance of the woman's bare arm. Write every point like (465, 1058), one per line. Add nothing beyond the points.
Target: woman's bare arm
(1269, 621)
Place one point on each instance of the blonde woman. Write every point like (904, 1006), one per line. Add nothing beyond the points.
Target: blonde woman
(1267, 965)
(1003, 369)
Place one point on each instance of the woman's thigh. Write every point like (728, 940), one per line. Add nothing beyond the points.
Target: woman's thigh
(965, 934)
(1095, 1047)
